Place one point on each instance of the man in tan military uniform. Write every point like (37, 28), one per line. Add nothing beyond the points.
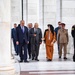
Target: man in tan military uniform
(63, 40)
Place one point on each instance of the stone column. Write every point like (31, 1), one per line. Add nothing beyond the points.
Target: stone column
(41, 14)
(6, 65)
(25, 11)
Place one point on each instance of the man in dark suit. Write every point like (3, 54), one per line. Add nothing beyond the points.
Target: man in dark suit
(13, 36)
(73, 35)
(36, 40)
(29, 45)
(22, 40)
(56, 31)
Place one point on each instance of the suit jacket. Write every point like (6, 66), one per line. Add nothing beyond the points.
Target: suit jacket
(38, 38)
(13, 33)
(29, 34)
(73, 31)
(62, 36)
(56, 31)
(21, 37)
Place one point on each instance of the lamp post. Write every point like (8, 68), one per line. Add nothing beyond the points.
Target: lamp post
(22, 9)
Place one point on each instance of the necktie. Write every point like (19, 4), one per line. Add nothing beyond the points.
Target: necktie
(29, 29)
(14, 29)
(23, 29)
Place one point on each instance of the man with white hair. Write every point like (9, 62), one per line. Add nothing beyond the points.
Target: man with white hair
(36, 40)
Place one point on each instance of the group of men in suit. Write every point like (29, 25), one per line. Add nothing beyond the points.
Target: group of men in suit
(27, 39)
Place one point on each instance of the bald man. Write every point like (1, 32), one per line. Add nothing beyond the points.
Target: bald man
(36, 40)
(22, 40)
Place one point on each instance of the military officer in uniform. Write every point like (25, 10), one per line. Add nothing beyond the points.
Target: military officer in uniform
(73, 35)
(63, 40)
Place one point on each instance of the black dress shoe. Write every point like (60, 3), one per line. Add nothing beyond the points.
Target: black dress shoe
(32, 58)
(65, 58)
(49, 60)
(17, 53)
(29, 57)
(59, 57)
(26, 61)
(37, 59)
(73, 60)
(21, 61)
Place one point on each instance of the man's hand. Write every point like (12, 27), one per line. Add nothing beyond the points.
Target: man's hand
(42, 39)
(28, 42)
(17, 43)
(52, 43)
(34, 34)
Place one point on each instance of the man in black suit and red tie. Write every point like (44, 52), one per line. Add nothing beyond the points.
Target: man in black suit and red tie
(22, 40)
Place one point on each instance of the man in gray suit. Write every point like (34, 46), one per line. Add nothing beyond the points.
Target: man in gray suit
(29, 45)
(36, 40)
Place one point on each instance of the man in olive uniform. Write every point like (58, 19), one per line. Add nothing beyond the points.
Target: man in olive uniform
(63, 40)
(73, 35)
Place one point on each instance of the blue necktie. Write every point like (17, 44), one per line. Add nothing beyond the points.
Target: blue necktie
(23, 29)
